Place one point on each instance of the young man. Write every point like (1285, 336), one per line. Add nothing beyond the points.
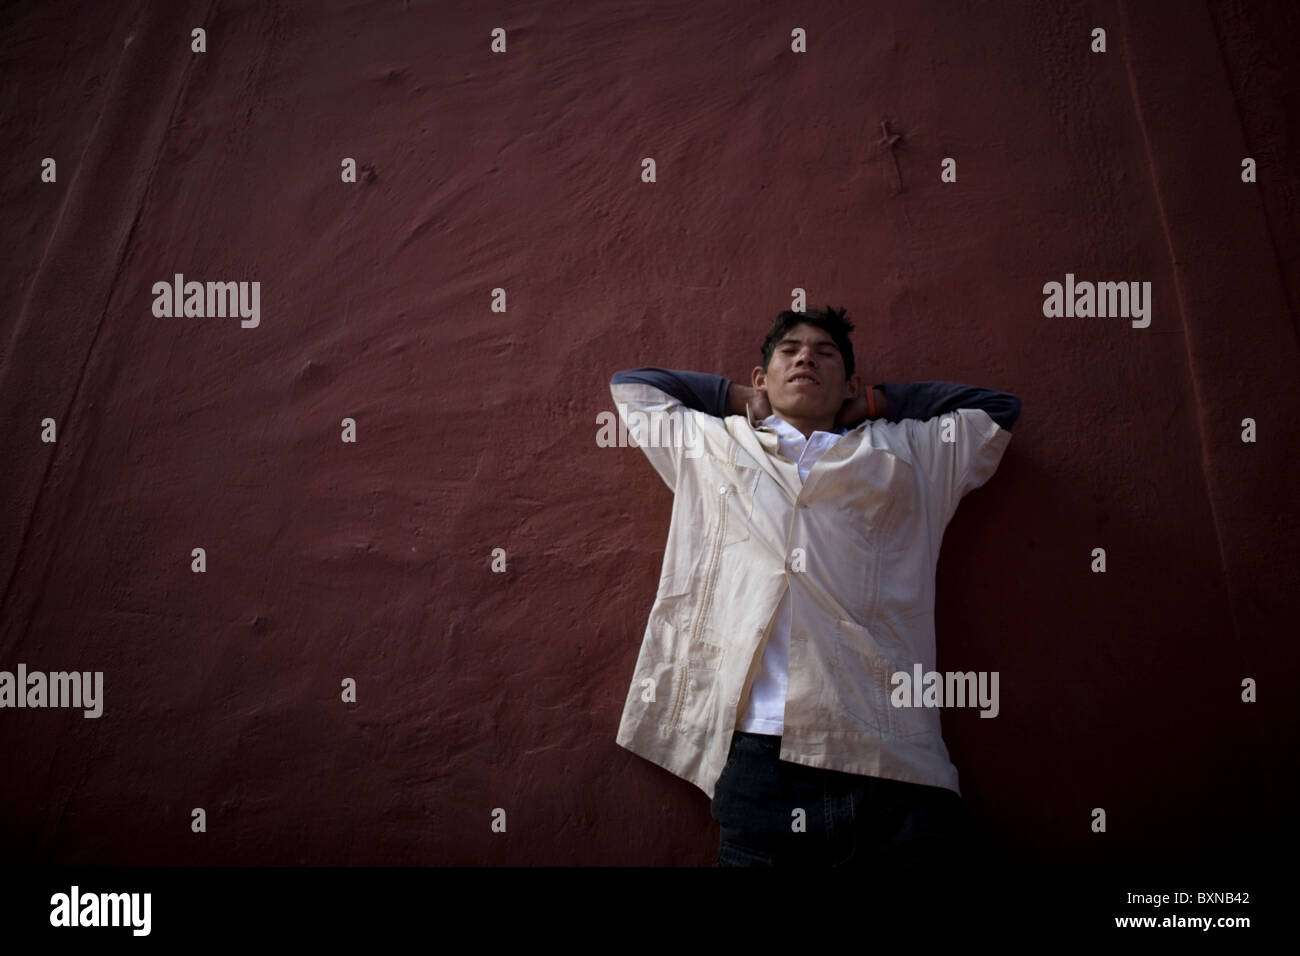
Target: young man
(798, 577)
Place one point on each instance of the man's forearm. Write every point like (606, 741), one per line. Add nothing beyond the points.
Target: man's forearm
(925, 400)
(696, 390)
(882, 402)
(738, 398)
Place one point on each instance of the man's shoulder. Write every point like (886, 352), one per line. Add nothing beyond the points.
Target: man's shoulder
(894, 438)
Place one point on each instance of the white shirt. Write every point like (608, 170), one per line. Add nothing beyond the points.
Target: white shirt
(862, 529)
(765, 713)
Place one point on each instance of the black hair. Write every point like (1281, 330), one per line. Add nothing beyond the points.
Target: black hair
(829, 320)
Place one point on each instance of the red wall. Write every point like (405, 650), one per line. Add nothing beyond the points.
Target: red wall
(476, 429)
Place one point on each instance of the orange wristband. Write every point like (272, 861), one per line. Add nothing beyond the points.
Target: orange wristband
(871, 403)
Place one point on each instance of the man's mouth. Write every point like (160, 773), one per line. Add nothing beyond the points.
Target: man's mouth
(803, 379)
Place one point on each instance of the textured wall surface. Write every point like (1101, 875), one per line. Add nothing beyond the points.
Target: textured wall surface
(476, 428)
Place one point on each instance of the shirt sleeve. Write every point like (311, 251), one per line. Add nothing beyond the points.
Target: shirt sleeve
(957, 433)
(660, 409)
(927, 399)
(696, 390)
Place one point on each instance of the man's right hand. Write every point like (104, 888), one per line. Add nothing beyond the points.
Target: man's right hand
(743, 397)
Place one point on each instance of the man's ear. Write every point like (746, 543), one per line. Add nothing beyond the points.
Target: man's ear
(853, 386)
(757, 379)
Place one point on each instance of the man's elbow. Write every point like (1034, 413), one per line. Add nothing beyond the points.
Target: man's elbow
(1010, 413)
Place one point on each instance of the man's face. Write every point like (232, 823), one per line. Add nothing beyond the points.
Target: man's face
(805, 377)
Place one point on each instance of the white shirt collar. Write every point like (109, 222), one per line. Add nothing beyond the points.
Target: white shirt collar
(786, 430)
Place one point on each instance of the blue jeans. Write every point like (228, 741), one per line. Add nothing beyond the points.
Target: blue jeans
(847, 820)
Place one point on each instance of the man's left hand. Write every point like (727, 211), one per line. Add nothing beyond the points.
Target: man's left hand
(852, 413)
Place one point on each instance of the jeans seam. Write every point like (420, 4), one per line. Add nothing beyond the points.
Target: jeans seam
(855, 836)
